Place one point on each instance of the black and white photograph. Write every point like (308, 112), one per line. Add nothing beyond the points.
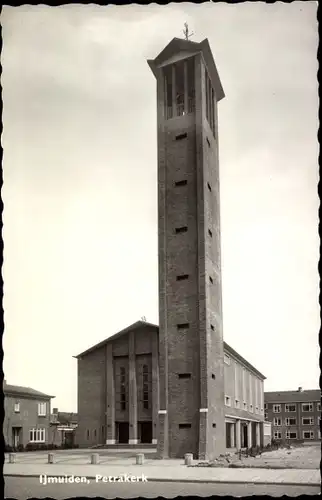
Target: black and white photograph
(161, 249)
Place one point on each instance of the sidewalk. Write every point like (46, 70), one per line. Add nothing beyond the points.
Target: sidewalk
(174, 471)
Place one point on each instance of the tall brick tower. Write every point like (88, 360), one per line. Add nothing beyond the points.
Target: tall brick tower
(191, 414)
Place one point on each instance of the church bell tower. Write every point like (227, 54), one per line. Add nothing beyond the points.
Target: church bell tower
(191, 370)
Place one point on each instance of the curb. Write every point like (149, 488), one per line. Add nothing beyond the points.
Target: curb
(204, 481)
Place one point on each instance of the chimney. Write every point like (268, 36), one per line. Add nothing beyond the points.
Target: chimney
(300, 389)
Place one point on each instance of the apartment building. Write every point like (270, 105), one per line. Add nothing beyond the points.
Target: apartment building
(27, 416)
(295, 415)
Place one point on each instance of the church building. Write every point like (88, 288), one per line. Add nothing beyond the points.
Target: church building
(178, 385)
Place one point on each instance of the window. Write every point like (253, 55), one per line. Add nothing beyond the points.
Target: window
(265, 406)
(41, 409)
(290, 421)
(210, 104)
(182, 277)
(277, 421)
(191, 84)
(94, 432)
(184, 375)
(179, 82)
(214, 426)
(290, 408)
(226, 359)
(307, 406)
(212, 327)
(210, 233)
(145, 387)
(237, 403)
(37, 435)
(319, 434)
(256, 409)
(319, 421)
(17, 407)
(265, 416)
(122, 389)
(87, 433)
(182, 326)
(276, 408)
(251, 408)
(307, 421)
(318, 406)
(168, 92)
(208, 186)
(211, 280)
(277, 435)
(182, 229)
(308, 434)
(184, 426)
(227, 401)
(291, 435)
(180, 137)
(213, 376)
(245, 405)
(180, 183)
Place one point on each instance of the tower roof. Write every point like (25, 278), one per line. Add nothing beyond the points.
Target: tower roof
(185, 48)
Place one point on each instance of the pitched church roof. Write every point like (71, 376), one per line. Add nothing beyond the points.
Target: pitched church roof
(141, 324)
(178, 45)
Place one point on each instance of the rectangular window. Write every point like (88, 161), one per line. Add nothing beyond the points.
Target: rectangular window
(180, 183)
(211, 280)
(276, 408)
(213, 376)
(289, 408)
(145, 387)
(17, 407)
(184, 375)
(226, 359)
(182, 229)
(37, 435)
(265, 406)
(290, 421)
(307, 421)
(277, 421)
(41, 409)
(184, 426)
(179, 82)
(308, 434)
(168, 92)
(266, 415)
(212, 328)
(307, 406)
(191, 84)
(227, 401)
(210, 233)
(318, 406)
(87, 433)
(214, 426)
(122, 389)
(277, 435)
(182, 277)
(182, 326)
(180, 137)
(291, 435)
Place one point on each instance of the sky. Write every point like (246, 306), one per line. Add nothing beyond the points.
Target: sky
(80, 182)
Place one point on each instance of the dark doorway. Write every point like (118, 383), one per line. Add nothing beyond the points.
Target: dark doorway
(228, 444)
(146, 432)
(16, 435)
(123, 432)
(245, 436)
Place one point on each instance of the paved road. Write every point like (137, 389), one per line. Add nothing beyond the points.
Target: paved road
(21, 488)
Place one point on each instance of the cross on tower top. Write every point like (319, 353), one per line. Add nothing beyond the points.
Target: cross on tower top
(186, 33)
